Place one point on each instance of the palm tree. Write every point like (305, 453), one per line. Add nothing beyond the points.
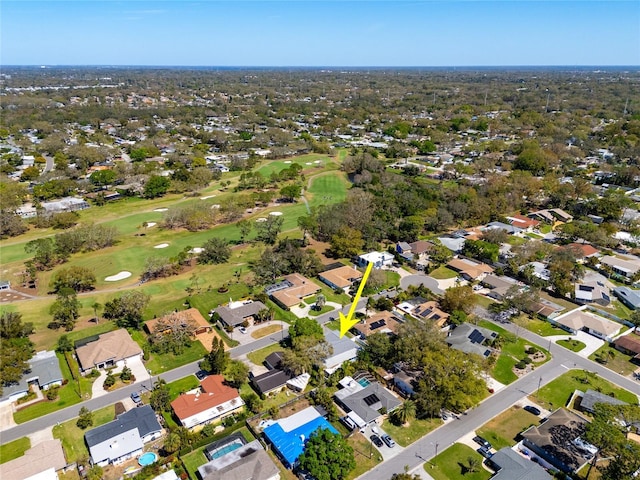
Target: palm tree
(96, 306)
(473, 464)
(406, 412)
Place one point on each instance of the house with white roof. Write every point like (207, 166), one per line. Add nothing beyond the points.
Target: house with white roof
(379, 259)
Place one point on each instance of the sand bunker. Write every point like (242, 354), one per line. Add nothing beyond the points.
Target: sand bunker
(287, 161)
(308, 163)
(196, 250)
(215, 205)
(120, 276)
(162, 245)
(151, 224)
(317, 161)
(276, 214)
(160, 209)
(208, 196)
(261, 219)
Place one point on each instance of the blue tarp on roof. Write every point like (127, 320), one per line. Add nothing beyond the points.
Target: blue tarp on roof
(290, 445)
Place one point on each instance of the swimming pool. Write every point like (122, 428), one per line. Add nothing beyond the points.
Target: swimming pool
(147, 459)
(364, 382)
(224, 450)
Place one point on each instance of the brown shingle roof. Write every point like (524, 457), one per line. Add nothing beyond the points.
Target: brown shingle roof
(470, 268)
(114, 346)
(630, 342)
(40, 457)
(301, 287)
(341, 276)
(373, 324)
(214, 393)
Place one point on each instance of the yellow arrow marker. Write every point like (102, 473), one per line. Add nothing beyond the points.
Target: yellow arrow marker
(347, 322)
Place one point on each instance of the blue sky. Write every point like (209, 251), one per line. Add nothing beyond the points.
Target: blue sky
(320, 33)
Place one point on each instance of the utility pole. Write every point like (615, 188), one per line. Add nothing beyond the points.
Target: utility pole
(539, 382)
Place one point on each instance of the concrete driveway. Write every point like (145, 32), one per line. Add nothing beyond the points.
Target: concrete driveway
(6, 415)
(137, 369)
(247, 338)
(385, 451)
(592, 343)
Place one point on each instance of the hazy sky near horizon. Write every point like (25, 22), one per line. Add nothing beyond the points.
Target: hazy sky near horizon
(320, 33)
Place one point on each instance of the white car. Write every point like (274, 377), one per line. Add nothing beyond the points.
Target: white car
(242, 330)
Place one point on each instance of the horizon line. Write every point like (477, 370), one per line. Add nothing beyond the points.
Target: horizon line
(61, 65)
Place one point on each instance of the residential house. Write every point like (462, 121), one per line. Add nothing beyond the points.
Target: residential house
(382, 322)
(469, 269)
(472, 339)
(212, 402)
(42, 461)
(379, 259)
(292, 290)
(67, 204)
(584, 250)
(498, 286)
(538, 270)
(510, 465)
(626, 266)
(191, 316)
(509, 228)
(341, 277)
(524, 223)
(628, 296)
(405, 380)
(248, 461)
(275, 379)
(580, 319)
(111, 349)
(557, 441)
(416, 252)
(344, 350)
(123, 438)
(629, 344)
(237, 313)
(592, 292)
(422, 309)
(587, 401)
(288, 435)
(551, 216)
(44, 372)
(366, 403)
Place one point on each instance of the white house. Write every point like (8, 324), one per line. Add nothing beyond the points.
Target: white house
(379, 259)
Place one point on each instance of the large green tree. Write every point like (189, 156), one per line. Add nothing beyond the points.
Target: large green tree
(215, 250)
(66, 309)
(77, 278)
(126, 310)
(327, 456)
(217, 359)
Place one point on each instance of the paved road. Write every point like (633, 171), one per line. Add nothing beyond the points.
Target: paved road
(122, 393)
(50, 165)
(416, 280)
(563, 360)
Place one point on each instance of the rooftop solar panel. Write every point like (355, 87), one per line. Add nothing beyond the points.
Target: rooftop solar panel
(371, 399)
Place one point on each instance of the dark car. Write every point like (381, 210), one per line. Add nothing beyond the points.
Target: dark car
(201, 374)
(375, 439)
(388, 441)
(485, 452)
(532, 409)
(481, 441)
(135, 396)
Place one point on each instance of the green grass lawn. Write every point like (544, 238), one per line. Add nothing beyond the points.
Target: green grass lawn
(557, 393)
(573, 345)
(442, 273)
(616, 360)
(510, 353)
(194, 460)
(366, 457)
(452, 464)
(543, 328)
(257, 357)
(168, 361)
(325, 309)
(416, 429)
(502, 431)
(618, 309)
(72, 437)
(15, 449)
(483, 301)
(181, 386)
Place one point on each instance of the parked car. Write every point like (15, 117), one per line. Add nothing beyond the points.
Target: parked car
(135, 396)
(485, 452)
(375, 439)
(201, 375)
(532, 409)
(349, 423)
(481, 441)
(388, 441)
(242, 330)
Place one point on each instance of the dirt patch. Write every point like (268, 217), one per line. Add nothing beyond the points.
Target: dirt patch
(12, 296)
(206, 339)
(321, 248)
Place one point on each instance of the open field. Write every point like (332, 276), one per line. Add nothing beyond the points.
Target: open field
(264, 331)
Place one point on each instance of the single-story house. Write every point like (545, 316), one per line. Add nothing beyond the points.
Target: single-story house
(469, 269)
(40, 462)
(509, 228)
(288, 435)
(44, 371)
(366, 403)
(592, 292)
(184, 317)
(67, 204)
(341, 277)
(110, 349)
(551, 215)
(584, 249)
(414, 252)
(510, 465)
(580, 319)
(211, 403)
(248, 461)
(379, 259)
(629, 344)
(344, 350)
(292, 290)
(455, 244)
(626, 266)
(557, 440)
(383, 322)
(123, 438)
(237, 313)
(587, 400)
(269, 382)
(628, 296)
(498, 285)
(471, 339)
(522, 222)
(405, 381)
(422, 309)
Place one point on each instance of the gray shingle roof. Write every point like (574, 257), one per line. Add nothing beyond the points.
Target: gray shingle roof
(237, 315)
(515, 467)
(368, 402)
(143, 418)
(591, 397)
(470, 339)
